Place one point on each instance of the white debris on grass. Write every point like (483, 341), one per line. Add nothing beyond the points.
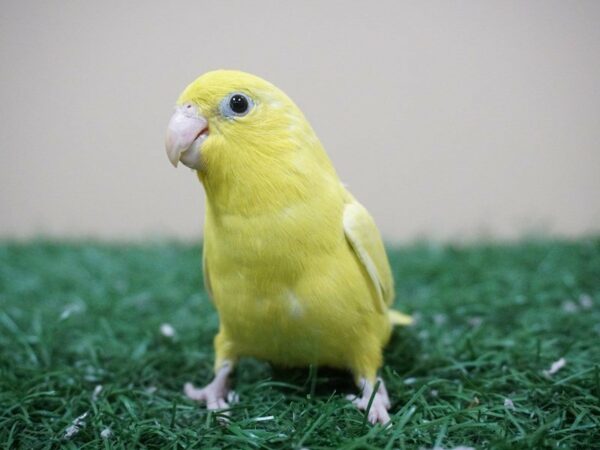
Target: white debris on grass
(585, 301)
(233, 398)
(75, 426)
(508, 404)
(150, 390)
(96, 392)
(73, 308)
(460, 447)
(106, 433)
(570, 307)
(263, 419)
(167, 330)
(434, 393)
(555, 367)
(410, 380)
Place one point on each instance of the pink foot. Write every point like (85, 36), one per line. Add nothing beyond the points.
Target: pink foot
(384, 394)
(381, 402)
(214, 394)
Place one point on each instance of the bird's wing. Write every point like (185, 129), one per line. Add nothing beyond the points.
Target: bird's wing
(364, 238)
(205, 275)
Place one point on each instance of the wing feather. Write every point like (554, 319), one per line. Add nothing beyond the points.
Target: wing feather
(365, 239)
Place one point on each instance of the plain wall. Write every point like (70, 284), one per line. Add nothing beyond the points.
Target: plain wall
(446, 119)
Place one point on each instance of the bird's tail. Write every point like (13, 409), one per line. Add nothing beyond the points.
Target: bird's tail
(397, 318)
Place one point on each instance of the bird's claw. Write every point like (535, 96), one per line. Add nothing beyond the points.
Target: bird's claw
(215, 395)
(384, 394)
(381, 403)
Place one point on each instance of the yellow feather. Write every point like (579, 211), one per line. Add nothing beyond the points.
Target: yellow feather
(295, 266)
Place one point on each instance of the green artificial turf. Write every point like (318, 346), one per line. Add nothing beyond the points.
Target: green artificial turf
(490, 319)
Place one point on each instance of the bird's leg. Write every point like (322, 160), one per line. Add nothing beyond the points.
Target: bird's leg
(380, 404)
(215, 393)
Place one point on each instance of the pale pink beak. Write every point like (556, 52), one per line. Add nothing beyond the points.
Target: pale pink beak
(186, 132)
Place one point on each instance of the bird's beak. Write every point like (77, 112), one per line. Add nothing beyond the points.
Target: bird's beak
(186, 132)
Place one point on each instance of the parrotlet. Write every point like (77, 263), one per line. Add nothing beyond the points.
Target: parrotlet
(293, 263)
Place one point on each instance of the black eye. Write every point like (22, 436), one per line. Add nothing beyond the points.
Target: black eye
(238, 104)
(235, 105)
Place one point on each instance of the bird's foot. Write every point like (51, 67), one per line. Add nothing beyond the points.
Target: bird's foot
(215, 394)
(378, 412)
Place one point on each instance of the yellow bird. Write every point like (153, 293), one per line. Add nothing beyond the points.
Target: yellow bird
(293, 263)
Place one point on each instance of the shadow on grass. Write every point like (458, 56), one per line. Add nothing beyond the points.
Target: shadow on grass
(400, 355)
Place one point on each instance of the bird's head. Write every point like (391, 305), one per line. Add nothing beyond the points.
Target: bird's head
(244, 136)
(227, 115)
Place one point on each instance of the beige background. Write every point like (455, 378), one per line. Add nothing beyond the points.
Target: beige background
(447, 119)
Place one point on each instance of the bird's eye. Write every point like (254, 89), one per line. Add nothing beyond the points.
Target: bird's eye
(236, 105)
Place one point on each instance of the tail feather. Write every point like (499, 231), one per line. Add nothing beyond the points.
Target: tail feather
(397, 318)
